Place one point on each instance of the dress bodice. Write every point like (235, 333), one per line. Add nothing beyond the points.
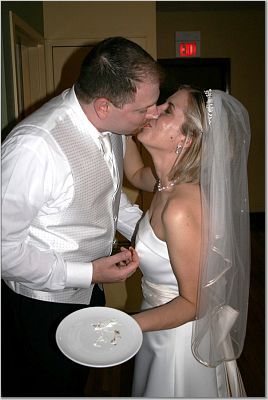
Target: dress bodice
(154, 257)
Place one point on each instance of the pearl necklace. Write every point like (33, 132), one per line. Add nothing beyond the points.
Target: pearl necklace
(160, 187)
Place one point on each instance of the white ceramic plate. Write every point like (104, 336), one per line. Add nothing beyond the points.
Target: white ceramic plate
(99, 336)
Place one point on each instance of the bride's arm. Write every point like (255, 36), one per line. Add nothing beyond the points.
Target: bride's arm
(182, 226)
(137, 174)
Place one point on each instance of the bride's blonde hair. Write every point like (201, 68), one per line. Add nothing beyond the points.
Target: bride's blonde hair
(186, 168)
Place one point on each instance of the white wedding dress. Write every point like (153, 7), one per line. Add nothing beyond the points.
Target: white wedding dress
(165, 365)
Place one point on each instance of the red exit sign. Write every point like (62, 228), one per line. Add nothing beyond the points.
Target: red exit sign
(188, 49)
(188, 44)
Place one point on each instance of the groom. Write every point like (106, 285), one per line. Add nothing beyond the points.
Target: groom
(62, 204)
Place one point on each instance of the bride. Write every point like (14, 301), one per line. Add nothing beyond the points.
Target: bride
(193, 245)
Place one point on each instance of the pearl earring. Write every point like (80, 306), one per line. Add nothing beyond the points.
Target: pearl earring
(178, 149)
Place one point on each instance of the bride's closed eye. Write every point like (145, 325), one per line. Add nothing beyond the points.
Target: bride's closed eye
(169, 109)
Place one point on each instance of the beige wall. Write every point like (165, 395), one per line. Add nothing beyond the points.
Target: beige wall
(239, 35)
(100, 19)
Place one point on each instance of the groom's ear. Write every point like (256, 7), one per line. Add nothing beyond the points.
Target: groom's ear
(101, 106)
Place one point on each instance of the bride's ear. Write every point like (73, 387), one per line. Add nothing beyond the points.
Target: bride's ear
(188, 142)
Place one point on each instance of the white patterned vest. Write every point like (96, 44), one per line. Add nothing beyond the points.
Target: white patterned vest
(85, 230)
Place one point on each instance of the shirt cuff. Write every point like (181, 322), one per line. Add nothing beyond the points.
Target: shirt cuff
(79, 275)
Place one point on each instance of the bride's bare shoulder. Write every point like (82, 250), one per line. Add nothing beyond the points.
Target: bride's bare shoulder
(183, 204)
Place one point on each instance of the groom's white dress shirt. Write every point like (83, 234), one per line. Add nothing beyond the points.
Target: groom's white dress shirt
(47, 243)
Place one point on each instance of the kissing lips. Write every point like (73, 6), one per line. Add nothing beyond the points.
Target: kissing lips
(147, 125)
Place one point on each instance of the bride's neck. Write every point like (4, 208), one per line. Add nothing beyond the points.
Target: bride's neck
(162, 168)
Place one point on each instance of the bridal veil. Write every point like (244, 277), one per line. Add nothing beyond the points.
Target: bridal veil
(220, 327)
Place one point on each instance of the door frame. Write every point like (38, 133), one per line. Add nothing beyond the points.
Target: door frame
(28, 66)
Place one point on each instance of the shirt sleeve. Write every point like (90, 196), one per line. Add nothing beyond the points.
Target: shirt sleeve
(26, 189)
(78, 275)
(128, 217)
